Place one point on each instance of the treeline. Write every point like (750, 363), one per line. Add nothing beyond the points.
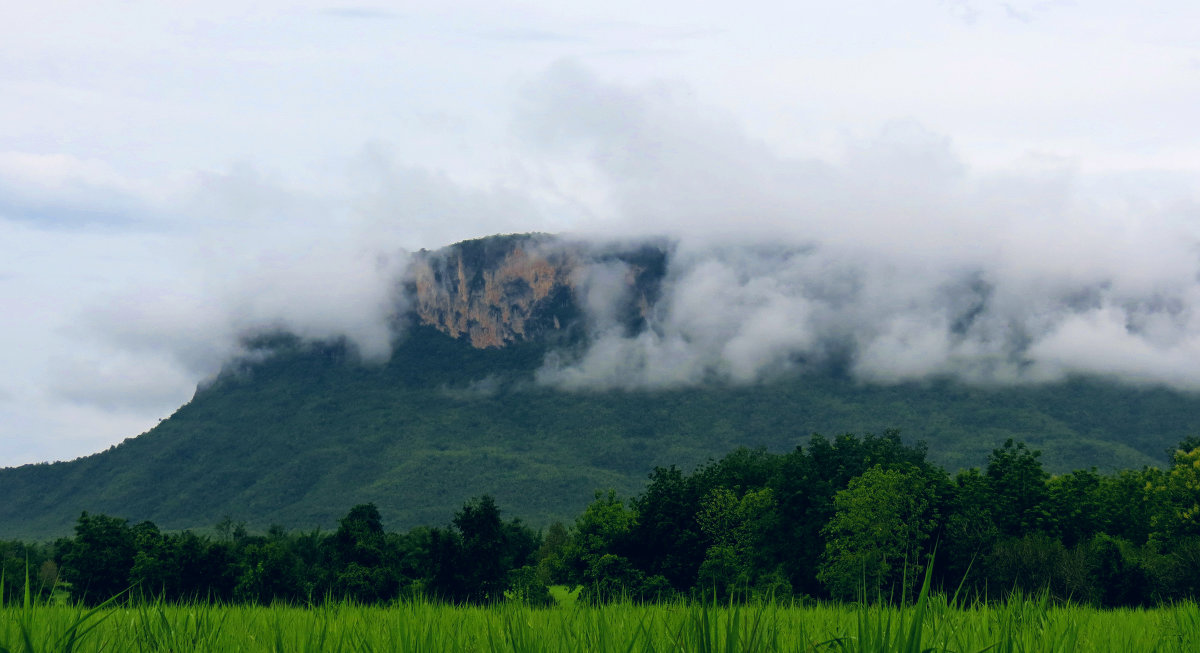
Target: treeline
(471, 561)
(832, 519)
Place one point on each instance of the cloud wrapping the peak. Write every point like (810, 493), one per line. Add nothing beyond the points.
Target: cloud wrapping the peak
(902, 197)
(899, 260)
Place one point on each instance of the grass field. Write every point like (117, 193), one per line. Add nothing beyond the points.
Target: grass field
(1020, 624)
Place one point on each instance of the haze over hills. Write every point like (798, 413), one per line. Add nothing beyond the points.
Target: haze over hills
(539, 369)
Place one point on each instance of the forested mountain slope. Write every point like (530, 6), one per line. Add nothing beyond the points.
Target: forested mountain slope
(295, 438)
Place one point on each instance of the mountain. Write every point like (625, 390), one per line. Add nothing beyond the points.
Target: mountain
(296, 432)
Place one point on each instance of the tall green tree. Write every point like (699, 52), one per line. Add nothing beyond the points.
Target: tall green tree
(1018, 485)
(360, 565)
(471, 561)
(1177, 494)
(669, 540)
(445, 577)
(98, 561)
(483, 549)
(1075, 507)
(603, 529)
(270, 571)
(1128, 509)
(549, 556)
(736, 527)
(598, 556)
(18, 559)
(879, 533)
(970, 529)
(360, 537)
(155, 571)
(805, 487)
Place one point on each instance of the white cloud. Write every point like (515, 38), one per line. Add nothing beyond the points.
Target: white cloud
(172, 175)
(899, 255)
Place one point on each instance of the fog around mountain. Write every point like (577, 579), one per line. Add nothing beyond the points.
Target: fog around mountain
(993, 192)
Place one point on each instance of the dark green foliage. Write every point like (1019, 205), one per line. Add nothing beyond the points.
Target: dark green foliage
(205, 568)
(1018, 489)
(526, 586)
(1176, 497)
(446, 582)
(600, 540)
(1185, 445)
(1125, 509)
(610, 577)
(484, 558)
(1075, 506)
(100, 557)
(550, 556)
(737, 524)
(872, 508)
(1118, 573)
(470, 562)
(17, 558)
(737, 528)
(1178, 572)
(969, 531)
(441, 422)
(805, 485)
(1028, 563)
(271, 571)
(359, 538)
(362, 566)
(880, 530)
(154, 570)
(670, 542)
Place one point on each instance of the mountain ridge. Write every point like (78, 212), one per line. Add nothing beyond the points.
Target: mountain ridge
(298, 431)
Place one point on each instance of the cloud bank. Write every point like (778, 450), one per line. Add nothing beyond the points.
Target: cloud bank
(898, 260)
(894, 257)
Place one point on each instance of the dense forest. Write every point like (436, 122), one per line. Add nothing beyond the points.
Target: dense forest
(833, 518)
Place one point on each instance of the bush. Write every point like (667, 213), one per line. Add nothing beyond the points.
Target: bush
(525, 586)
(1119, 577)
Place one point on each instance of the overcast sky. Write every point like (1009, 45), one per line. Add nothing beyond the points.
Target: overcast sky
(172, 174)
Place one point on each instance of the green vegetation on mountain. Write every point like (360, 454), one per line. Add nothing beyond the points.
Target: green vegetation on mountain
(830, 519)
(309, 429)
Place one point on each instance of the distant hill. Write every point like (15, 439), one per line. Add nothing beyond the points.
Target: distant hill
(307, 430)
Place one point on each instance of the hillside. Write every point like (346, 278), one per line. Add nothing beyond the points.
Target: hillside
(299, 437)
(307, 430)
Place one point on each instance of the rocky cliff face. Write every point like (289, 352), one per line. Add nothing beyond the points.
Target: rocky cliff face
(504, 289)
(494, 291)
